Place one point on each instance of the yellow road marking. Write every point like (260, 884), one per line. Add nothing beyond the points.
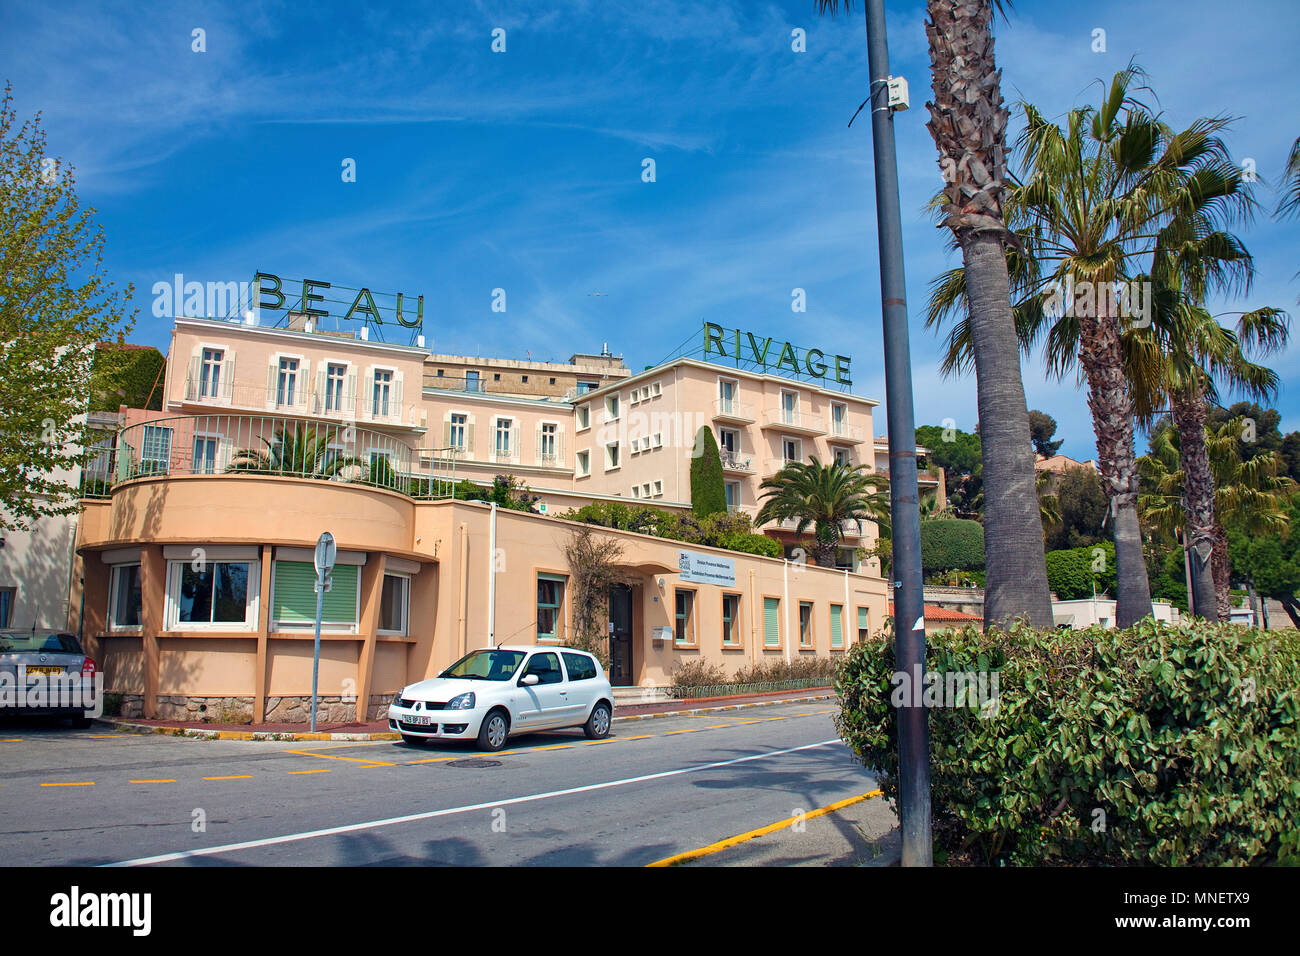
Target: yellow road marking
(321, 770)
(11, 740)
(110, 736)
(689, 730)
(639, 737)
(431, 760)
(241, 776)
(80, 783)
(153, 781)
(770, 828)
(312, 753)
(716, 726)
(552, 747)
(606, 740)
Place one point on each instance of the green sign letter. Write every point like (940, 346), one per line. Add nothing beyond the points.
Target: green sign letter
(712, 335)
(819, 369)
(275, 291)
(842, 370)
(309, 296)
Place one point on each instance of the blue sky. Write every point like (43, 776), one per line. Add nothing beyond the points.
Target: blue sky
(522, 170)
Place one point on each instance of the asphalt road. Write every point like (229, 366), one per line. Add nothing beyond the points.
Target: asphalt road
(657, 788)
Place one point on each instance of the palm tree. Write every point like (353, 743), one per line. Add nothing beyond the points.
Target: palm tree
(1250, 490)
(1049, 505)
(968, 124)
(304, 452)
(1289, 203)
(1095, 198)
(825, 496)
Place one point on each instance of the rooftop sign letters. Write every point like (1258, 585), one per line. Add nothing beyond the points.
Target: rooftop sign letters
(747, 349)
(313, 302)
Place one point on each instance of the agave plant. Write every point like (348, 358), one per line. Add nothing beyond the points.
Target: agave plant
(823, 497)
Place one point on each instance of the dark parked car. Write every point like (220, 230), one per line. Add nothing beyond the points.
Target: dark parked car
(59, 677)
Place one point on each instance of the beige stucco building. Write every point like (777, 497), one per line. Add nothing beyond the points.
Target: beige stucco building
(198, 596)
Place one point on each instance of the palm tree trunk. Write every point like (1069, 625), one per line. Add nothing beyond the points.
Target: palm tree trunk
(1221, 570)
(968, 122)
(1112, 421)
(1188, 411)
(1016, 577)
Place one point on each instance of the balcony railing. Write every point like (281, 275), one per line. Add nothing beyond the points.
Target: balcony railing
(846, 432)
(793, 420)
(736, 463)
(241, 445)
(728, 409)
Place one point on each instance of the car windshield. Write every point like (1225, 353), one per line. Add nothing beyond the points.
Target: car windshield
(19, 641)
(486, 665)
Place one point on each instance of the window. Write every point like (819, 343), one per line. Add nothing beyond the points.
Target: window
(294, 602)
(837, 627)
(842, 456)
(726, 396)
(550, 604)
(458, 432)
(205, 454)
(548, 447)
(525, 378)
(838, 415)
(611, 408)
(728, 443)
(496, 376)
(334, 387)
(382, 391)
(124, 596)
(210, 373)
(393, 602)
(552, 381)
(7, 605)
(472, 383)
(584, 417)
(155, 449)
(286, 381)
(864, 624)
(805, 624)
(440, 371)
(790, 408)
(791, 450)
(611, 456)
(730, 620)
(213, 592)
(584, 463)
(503, 447)
(579, 666)
(684, 618)
(585, 387)
(546, 666)
(732, 491)
(771, 622)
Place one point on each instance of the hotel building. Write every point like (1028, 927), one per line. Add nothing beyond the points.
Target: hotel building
(197, 596)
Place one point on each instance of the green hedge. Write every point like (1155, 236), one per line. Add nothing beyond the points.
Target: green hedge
(1071, 574)
(1154, 745)
(952, 544)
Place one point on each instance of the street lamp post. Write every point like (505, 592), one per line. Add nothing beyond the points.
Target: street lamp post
(908, 585)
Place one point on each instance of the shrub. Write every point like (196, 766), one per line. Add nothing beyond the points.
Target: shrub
(1070, 573)
(952, 544)
(697, 673)
(768, 672)
(1154, 745)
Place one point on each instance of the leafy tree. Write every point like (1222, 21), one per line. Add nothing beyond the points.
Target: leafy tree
(129, 375)
(1042, 427)
(1083, 507)
(1074, 572)
(960, 455)
(823, 497)
(952, 544)
(1270, 562)
(56, 304)
(708, 489)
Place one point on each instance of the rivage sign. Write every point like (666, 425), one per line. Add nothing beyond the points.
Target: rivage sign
(270, 295)
(766, 354)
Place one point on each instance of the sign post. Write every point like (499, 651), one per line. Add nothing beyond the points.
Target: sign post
(326, 551)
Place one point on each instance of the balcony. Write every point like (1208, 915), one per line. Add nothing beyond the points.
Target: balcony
(730, 410)
(844, 432)
(736, 464)
(792, 422)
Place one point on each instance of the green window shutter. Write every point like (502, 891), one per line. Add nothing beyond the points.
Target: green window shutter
(862, 619)
(837, 628)
(771, 622)
(295, 594)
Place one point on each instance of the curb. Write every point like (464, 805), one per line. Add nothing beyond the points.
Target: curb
(290, 736)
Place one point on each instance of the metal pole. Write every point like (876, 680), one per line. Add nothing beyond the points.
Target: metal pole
(315, 659)
(492, 578)
(909, 607)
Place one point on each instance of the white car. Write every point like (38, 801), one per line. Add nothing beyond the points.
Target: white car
(493, 693)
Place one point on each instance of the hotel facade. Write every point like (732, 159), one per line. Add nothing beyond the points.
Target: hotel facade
(194, 557)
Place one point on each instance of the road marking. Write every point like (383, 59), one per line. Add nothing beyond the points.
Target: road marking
(109, 736)
(638, 737)
(688, 730)
(431, 814)
(80, 783)
(552, 747)
(431, 760)
(716, 726)
(321, 770)
(153, 781)
(770, 828)
(11, 740)
(239, 776)
(312, 753)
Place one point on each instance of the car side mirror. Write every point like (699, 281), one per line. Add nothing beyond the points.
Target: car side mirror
(528, 680)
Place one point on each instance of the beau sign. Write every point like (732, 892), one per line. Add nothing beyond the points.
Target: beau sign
(363, 305)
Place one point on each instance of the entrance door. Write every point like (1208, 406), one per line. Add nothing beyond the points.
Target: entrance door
(620, 635)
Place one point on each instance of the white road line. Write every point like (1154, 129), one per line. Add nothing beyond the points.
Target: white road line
(410, 818)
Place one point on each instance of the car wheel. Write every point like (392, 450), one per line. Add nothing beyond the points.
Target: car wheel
(413, 741)
(494, 730)
(597, 725)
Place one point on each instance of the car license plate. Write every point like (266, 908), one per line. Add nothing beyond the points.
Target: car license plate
(418, 719)
(45, 670)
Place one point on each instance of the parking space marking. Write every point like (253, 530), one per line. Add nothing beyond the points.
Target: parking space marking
(639, 737)
(108, 736)
(10, 740)
(153, 781)
(78, 783)
(238, 776)
(688, 730)
(552, 747)
(324, 756)
(320, 770)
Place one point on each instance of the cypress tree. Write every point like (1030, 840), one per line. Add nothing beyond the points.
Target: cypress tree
(708, 492)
